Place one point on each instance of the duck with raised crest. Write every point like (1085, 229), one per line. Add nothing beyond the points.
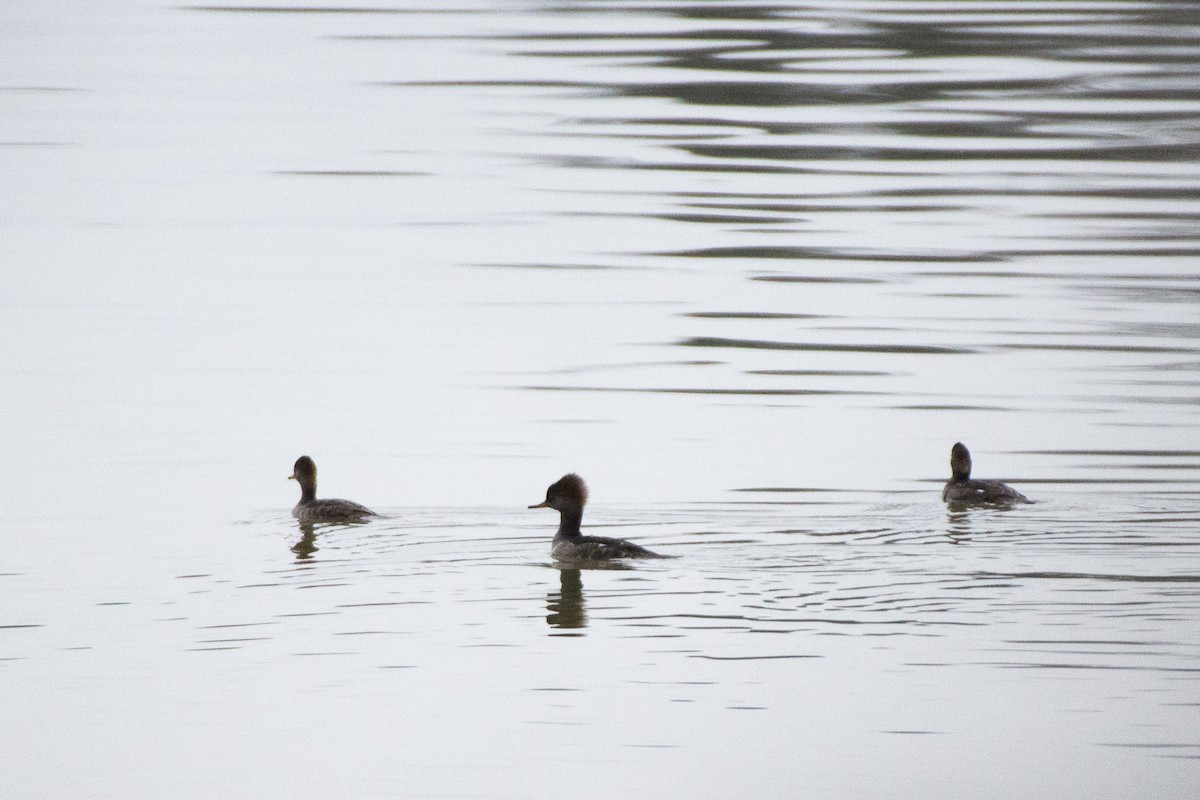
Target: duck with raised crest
(962, 490)
(310, 509)
(567, 496)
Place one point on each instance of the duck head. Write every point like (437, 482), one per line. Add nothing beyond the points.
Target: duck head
(568, 493)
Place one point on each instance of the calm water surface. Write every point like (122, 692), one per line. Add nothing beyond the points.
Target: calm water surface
(750, 268)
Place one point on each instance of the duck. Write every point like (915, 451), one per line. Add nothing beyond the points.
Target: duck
(963, 491)
(310, 509)
(567, 496)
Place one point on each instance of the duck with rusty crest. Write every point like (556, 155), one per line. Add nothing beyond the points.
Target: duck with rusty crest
(567, 496)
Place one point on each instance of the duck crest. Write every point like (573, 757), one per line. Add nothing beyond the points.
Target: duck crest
(570, 486)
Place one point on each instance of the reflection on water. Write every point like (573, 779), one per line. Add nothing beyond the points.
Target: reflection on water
(756, 264)
(307, 544)
(958, 524)
(564, 608)
(966, 523)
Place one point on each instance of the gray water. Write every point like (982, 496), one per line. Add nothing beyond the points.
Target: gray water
(749, 268)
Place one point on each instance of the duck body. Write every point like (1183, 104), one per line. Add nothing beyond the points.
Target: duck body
(976, 492)
(567, 496)
(963, 490)
(310, 509)
(331, 510)
(596, 548)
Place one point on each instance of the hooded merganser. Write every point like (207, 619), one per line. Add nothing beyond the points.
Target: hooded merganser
(567, 496)
(962, 490)
(310, 509)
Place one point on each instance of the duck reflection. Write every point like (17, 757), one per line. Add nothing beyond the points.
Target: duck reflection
(967, 522)
(307, 545)
(958, 520)
(564, 608)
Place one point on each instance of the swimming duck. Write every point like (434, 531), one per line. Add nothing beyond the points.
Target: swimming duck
(310, 509)
(962, 490)
(567, 496)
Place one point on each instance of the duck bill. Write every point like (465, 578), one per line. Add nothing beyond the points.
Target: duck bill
(542, 504)
(291, 477)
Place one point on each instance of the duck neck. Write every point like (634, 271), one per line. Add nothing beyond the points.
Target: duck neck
(308, 491)
(569, 520)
